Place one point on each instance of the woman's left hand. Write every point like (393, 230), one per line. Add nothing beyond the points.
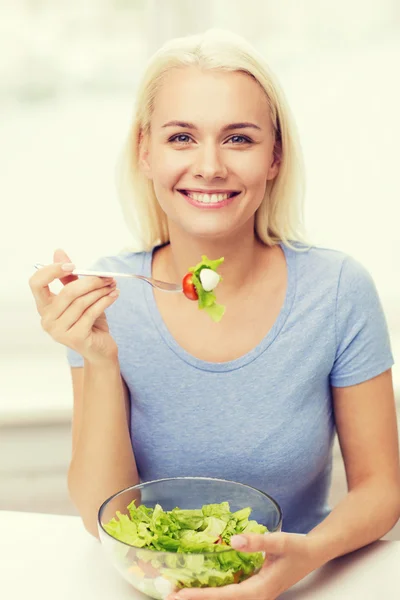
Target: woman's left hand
(289, 558)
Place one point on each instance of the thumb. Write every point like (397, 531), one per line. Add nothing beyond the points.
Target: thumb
(271, 543)
(60, 256)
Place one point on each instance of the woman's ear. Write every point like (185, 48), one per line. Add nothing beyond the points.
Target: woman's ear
(276, 162)
(144, 155)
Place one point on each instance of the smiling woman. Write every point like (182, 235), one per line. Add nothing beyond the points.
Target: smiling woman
(213, 168)
(249, 124)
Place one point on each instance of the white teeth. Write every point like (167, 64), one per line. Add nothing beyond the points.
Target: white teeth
(208, 198)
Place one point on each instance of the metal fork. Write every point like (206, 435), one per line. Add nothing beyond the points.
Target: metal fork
(155, 283)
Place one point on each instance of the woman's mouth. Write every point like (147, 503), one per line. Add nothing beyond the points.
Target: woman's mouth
(211, 199)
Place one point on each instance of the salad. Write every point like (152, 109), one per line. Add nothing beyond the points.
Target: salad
(199, 284)
(193, 546)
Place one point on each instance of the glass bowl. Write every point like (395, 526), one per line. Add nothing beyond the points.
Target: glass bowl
(158, 573)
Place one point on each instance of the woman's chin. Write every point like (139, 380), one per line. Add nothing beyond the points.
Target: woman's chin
(209, 234)
(208, 228)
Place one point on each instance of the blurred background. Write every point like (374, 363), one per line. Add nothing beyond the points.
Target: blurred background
(68, 75)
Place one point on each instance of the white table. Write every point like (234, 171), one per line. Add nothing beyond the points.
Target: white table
(52, 557)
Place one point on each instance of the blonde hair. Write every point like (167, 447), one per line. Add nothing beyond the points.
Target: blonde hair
(279, 217)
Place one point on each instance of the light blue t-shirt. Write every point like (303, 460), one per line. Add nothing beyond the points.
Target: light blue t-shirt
(266, 418)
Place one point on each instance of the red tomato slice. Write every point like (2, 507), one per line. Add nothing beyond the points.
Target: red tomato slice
(188, 287)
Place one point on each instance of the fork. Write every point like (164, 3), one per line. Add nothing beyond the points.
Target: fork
(155, 283)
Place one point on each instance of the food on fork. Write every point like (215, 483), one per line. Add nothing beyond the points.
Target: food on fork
(199, 284)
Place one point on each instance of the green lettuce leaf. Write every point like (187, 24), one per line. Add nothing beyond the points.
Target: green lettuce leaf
(214, 527)
(207, 300)
(253, 527)
(188, 519)
(206, 263)
(195, 543)
(215, 311)
(244, 513)
(125, 530)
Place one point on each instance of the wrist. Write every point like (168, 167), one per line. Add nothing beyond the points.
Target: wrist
(320, 548)
(102, 362)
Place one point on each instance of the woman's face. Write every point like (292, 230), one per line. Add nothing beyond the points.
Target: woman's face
(210, 150)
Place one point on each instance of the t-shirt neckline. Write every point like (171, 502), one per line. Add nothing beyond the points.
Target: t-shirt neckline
(290, 256)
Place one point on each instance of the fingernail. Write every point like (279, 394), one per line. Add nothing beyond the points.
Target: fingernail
(68, 267)
(114, 294)
(238, 541)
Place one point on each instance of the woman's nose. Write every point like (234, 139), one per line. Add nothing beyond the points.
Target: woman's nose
(209, 164)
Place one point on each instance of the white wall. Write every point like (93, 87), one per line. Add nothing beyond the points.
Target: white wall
(66, 94)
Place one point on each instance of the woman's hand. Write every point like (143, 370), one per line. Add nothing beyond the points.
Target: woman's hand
(75, 317)
(289, 558)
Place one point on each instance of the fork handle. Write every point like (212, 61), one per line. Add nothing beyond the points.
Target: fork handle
(102, 273)
(95, 273)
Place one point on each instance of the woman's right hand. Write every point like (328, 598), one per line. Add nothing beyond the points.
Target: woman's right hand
(75, 317)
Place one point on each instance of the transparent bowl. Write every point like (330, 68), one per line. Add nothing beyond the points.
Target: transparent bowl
(149, 570)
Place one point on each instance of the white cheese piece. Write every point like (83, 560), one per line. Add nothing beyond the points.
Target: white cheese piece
(209, 279)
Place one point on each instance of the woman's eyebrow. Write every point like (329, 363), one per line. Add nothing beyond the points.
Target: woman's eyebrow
(230, 127)
(245, 125)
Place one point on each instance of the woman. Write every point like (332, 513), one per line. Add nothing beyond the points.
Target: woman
(160, 390)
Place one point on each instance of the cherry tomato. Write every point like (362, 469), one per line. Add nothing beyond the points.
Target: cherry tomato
(188, 287)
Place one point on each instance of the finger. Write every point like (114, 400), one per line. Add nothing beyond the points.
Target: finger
(251, 589)
(84, 325)
(75, 311)
(39, 283)
(73, 291)
(271, 543)
(60, 256)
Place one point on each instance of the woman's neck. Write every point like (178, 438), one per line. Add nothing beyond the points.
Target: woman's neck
(242, 253)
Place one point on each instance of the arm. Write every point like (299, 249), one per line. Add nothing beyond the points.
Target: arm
(102, 457)
(367, 430)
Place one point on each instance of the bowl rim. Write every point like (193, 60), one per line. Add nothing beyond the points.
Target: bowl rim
(146, 483)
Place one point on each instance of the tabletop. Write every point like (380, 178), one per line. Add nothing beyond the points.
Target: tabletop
(53, 557)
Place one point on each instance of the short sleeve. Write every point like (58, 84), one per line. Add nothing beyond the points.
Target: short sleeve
(362, 339)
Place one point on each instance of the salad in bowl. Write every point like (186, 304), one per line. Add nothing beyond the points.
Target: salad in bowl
(161, 539)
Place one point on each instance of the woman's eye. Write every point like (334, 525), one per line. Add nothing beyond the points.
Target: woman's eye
(181, 138)
(184, 138)
(239, 139)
